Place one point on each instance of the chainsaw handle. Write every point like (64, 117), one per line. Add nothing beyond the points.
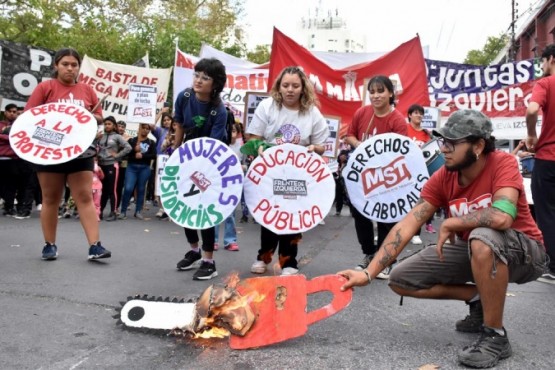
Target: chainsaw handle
(340, 300)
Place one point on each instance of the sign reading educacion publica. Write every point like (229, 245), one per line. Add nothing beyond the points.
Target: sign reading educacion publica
(201, 183)
(289, 190)
(384, 177)
(53, 133)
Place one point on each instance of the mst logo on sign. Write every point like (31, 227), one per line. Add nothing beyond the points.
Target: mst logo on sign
(387, 176)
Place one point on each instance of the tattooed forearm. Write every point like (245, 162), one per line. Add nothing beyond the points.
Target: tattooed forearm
(483, 218)
(422, 210)
(391, 249)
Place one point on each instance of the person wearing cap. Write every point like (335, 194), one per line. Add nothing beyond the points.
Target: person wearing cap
(488, 239)
(543, 176)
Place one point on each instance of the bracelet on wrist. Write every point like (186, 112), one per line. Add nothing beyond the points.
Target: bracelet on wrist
(367, 275)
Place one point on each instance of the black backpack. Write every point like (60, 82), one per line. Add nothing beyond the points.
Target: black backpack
(193, 133)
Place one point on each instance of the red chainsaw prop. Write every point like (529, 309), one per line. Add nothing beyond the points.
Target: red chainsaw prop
(276, 312)
(282, 314)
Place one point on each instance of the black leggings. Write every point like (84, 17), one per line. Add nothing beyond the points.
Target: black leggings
(208, 237)
(288, 247)
(108, 187)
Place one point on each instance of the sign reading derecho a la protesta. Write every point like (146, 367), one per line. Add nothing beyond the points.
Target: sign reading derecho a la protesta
(201, 184)
(53, 133)
(289, 190)
(384, 177)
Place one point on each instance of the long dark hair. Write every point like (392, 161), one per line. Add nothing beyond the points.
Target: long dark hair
(65, 53)
(212, 67)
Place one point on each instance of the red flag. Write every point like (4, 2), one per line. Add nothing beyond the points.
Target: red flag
(340, 91)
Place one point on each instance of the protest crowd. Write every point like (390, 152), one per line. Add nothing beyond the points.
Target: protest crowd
(481, 244)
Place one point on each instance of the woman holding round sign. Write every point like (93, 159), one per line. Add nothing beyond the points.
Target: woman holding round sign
(199, 113)
(380, 117)
(64, 115)
(289, 116)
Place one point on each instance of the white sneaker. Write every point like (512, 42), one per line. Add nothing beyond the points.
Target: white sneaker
(384, 275)
(160, 212)
(289, 271)
(258, 267)
(416, 240)
(321, 223)
(39, 207)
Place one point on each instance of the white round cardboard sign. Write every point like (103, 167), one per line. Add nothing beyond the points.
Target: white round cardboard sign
(201, 183)
(384, 177)
(289, 190)
(53, 133)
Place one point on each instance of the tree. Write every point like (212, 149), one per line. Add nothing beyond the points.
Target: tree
(123, 31)
(494, 45)
(260, 54)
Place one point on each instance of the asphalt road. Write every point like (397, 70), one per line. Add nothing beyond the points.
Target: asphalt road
(58, 315)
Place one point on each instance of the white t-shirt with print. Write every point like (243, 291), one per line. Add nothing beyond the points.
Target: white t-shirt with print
(279, 126)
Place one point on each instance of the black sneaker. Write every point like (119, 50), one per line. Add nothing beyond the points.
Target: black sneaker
(112, 217)
(472, 323)
(548, 277)
(97, 251)
(191, 260)
(22, 215)
(8, 212)
(364, 262)
(206, 271)
(244, 219)
(487, 350)
(49, 252)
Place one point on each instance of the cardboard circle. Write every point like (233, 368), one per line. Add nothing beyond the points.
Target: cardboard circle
(289, 190)
(384, 177)
(201, 183)
(53, 133)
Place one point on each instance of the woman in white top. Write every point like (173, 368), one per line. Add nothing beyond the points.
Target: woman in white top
(290, 115)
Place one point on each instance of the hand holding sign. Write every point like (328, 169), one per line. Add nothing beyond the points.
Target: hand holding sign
(53, 133)
(384, 177)
(201, 184)
(289, 190)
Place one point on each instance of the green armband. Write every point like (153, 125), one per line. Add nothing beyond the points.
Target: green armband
(506, 206)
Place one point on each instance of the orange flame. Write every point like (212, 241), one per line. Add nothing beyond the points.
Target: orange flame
(234, 313)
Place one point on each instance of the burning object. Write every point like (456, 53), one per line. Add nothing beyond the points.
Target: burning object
(254, 312)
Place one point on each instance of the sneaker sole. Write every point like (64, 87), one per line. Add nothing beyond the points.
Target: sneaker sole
(21, 217)
(191, 266)
(99, 256)
(483, 364)
(212, 275)
(50, 258)
(258, 271)
(382, 276)
(468, 329)
(546, 280)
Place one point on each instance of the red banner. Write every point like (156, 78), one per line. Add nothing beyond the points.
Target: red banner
(341, 91)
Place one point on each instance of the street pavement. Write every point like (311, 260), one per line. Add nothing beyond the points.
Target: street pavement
(58, 314)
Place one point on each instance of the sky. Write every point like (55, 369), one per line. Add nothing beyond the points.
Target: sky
(450, 28)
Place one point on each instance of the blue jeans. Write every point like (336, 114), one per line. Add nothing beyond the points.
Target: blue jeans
(135, 175)
(230, 233)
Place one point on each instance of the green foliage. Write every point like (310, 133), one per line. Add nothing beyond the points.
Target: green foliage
(124, 31)
(485, 56)
(260, 54)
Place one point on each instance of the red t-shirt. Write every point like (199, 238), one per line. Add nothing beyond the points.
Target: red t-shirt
(541, 94)
(501, 170)
(393, 122)
(53, 91)
(420, 137)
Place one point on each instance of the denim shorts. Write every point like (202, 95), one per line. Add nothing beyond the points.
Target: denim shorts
(525, 257)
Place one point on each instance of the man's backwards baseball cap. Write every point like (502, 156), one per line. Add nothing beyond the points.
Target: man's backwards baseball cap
(465, 123)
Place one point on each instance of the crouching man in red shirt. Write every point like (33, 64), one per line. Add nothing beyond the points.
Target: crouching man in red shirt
(488, 240)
